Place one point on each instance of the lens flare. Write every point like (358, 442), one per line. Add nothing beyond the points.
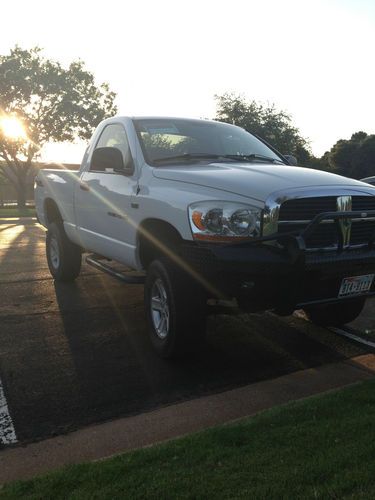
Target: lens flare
(12, 128)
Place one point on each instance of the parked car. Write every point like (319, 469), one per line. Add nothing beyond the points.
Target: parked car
(208, 213)
(369, 180)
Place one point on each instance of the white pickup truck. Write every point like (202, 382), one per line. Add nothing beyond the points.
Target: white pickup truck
(208, 214)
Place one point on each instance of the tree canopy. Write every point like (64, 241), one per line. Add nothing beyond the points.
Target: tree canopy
(266, 121)
(50, 103)
(354, 157)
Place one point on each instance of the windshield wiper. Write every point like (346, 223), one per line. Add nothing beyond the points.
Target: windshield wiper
(189, 156)
(212, 156)
(253, 156)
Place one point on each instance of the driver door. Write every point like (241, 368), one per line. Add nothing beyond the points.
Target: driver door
(102, 202)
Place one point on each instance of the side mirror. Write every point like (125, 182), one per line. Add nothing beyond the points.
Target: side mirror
(110, 158)
(103, 158)
(292, 160)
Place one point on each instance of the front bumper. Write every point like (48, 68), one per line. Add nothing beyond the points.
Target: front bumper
(283, 276)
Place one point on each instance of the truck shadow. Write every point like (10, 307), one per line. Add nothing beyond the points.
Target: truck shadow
(117, 372)
(74, 354)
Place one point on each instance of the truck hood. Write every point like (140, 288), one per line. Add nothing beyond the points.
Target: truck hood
(253, 181)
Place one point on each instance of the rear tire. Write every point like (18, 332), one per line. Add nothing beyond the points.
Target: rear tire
(175, 308)
(336, 314)
(63, 257)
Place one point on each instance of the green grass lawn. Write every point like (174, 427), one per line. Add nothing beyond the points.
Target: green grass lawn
(15, 212)
(322, 447)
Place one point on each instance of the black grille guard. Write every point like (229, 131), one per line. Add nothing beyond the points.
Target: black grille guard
(337, 216)
(293, 259)
(295, 241)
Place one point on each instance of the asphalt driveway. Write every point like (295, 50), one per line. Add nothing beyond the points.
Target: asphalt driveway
(76, 354)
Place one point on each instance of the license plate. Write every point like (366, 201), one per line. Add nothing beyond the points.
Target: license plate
(355, 285)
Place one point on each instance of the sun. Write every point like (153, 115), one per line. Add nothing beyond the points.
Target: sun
(12, 128)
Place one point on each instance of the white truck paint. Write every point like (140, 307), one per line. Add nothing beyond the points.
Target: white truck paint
(102, 211)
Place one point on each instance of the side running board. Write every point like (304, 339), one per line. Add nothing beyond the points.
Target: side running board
(94, 261)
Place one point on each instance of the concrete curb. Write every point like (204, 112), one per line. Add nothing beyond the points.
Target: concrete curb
(110, 438)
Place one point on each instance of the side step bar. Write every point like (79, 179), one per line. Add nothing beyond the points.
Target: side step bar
(93, 261)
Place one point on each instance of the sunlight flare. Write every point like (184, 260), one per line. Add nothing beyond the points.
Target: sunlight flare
(12, 128)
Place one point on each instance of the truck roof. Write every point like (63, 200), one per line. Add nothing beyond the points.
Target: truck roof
(167, 118)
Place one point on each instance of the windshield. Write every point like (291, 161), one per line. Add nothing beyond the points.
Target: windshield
(197, 140)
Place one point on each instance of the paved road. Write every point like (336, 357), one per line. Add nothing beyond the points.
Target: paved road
(71, 355)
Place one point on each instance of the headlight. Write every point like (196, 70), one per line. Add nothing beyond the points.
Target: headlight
(223, 221)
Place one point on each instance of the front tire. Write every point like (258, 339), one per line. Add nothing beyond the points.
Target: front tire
(175, 308)
(336, 314)
(63, 257)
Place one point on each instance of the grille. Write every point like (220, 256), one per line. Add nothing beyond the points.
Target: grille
(362, 232)
(306, 208)
(325, 235)
(363, 203)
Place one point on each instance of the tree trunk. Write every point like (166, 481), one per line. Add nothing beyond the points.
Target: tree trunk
(18, 175)
(21, 195)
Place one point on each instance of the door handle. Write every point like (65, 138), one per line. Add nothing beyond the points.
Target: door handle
(84, 186)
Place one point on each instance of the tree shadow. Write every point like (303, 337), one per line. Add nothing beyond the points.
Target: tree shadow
(6, 227)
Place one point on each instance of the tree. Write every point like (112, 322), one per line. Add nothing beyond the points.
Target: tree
(40, 102)
(321, 163)
(354, 157)
(265, 121)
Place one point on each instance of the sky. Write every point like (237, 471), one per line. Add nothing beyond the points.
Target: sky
(311, 58)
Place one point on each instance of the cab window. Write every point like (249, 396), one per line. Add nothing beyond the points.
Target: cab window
(114, 136)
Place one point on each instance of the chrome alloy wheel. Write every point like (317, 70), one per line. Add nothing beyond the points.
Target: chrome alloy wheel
(54, 252)
(160, 309)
